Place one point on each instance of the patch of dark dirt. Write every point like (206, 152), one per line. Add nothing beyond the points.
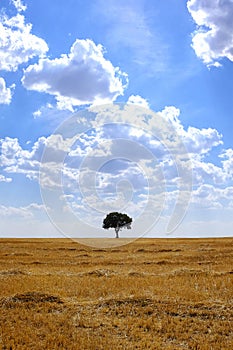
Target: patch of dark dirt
(30, 298)
(136, 274)
(13, 272)
(129, 301)
(147, 306)
(17, 254)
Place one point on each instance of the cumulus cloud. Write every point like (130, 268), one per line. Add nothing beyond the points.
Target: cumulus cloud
(213, 39)
(17, 44)
(37, 113)
(198, 142)
(95, 166)
(206, 172)
(26, 212)
(83, 76)
(103, 182)
(9, 150)
(138, 100)
(227, 161)
(5, 92)
(14, 159)
(166, 143)
(5, 179)
(20, 7)
(213, 197)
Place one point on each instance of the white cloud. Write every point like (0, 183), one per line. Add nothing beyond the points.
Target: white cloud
(167, 147)
(213, 197)
(13, 154)
(5, 179)
(201, 141)
(83, 76)
(20, 7)
(9, 151)
(227, 163)
(213, 39)
(5, 92)
(26, 212)
(14, 159)
(37, 114)
(138, 100)
(206, 172)
(198, 142)
(17, 43)
(93, 163)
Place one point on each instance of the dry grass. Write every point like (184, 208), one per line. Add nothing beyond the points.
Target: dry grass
(150, 294)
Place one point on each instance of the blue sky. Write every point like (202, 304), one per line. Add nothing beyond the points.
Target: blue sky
(65, 60)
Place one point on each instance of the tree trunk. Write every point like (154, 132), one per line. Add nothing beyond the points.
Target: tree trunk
(117, 230)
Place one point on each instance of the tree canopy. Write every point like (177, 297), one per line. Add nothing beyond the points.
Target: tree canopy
(117, 221)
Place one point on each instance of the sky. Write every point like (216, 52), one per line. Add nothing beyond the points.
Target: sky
(116, 106)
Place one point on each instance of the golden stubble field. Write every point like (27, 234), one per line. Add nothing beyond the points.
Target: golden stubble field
(150, 294)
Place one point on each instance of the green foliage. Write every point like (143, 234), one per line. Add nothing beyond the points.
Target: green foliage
(117, 221)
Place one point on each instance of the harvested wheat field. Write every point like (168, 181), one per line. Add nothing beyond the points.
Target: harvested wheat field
(149, 294)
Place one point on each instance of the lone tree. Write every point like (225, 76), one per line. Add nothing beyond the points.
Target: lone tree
(118, 221)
